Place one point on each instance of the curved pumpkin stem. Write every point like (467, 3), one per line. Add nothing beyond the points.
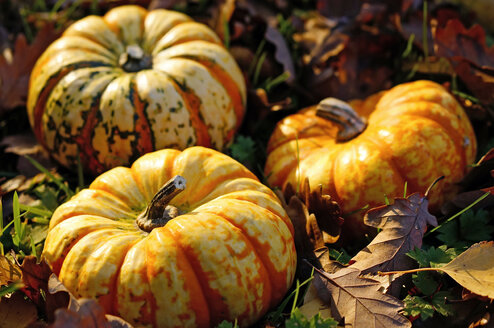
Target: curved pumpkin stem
(350, 124)
(134, 59)
(159, 212)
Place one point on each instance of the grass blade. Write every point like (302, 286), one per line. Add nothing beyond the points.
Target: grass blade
(17, 220)
(56, 180)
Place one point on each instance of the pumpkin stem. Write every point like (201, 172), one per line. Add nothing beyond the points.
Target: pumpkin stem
(350, 124)
(159, 212)
(134, 59)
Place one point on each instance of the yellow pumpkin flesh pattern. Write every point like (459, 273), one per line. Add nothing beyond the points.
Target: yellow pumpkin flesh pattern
(229, 255)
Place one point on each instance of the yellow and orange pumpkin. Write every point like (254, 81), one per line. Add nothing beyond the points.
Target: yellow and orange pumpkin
(365, 150)
(212, 244)
(115, 87)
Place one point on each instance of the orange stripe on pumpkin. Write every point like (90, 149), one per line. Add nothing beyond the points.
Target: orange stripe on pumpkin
(84, 140)
(39, 108)
(225, 79)
(144, 139)
(193, 104)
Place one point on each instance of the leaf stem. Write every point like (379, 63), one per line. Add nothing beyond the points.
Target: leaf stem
(407, 271)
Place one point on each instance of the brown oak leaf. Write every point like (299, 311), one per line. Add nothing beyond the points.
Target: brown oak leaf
(357, 301)
(403, 226)
(14, 76)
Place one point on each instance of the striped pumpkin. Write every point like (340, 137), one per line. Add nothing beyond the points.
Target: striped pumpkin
(115, 87)
(220, 249)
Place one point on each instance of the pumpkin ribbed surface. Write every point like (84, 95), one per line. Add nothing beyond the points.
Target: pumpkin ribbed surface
(229, 255)
(416, 132)
(115, 87)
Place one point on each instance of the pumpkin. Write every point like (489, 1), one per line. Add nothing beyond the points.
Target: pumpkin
(179, 239)
(115, 87)
(365, 150)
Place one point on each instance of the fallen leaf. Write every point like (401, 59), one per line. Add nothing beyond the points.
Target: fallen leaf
(35, 277)
(479, 82)
(165, 4)
(458, 43)
(358, 301)
(300, 218)
(339, 8)
(403, 226)
(21, 144)
(352, 61)
(81, 312)
(474, 269)
(89, 314)
(9, 271)
(282, 53)
(327, 212)
(475, 184)
(17, 312)
(14, 76)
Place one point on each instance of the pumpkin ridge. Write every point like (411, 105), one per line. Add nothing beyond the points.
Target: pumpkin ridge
(152, 300)
(265, 273)
(86, 149)
(226, 81)
(451, 132)
(145, 142)
(114, 290)
(392, 162)
(57, 265)
(39, 106)
(192, 103)
(194, 265)
(150, 44)
(108, 301)
(287, 222)
(145, 297)
(90, 37)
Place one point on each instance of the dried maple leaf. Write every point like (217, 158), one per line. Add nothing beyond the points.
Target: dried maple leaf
(14, 76)
(357, 300)
(301, 221)
(403, 226)
(309, 211)
(326, 211)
